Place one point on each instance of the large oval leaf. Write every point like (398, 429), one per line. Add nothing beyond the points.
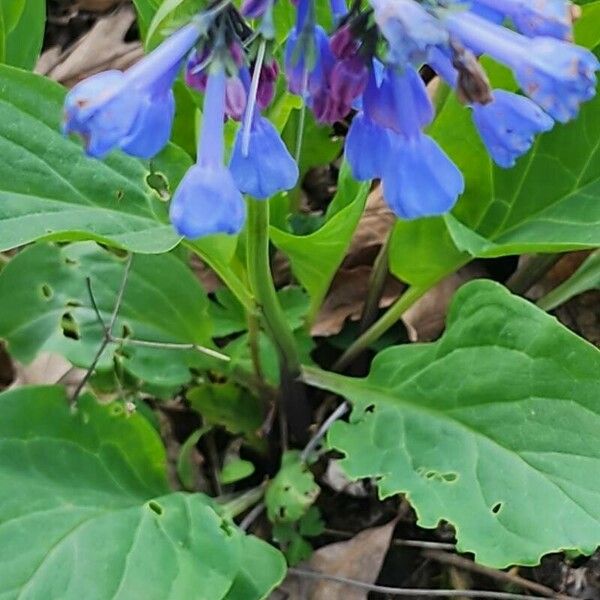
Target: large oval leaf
(495, 428)
(86, 512)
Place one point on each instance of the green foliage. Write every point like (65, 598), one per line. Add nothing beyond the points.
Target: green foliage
(292, 492)
(230, 406)
(494, 428)
(45, 305)
(84, 498)
(21, 31)
(316, 257)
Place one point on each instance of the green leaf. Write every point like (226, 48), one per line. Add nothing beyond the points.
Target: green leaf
(547, 203)
(292, 492)
(45, 306)
(494, 428)
(49, 188)
(70, 479)
(230, 406)
(23, 42)
(187, 469)
(586, 278)
(235, 470)
(316, 257)
(262, 569)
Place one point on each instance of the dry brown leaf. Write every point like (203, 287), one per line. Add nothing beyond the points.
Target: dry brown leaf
(359, 558)
(425, 320)
(47, 369)
(102, 48)
(346, 299)
(97, 5)
(372, 231)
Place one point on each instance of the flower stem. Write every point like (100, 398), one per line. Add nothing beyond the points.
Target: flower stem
(263, 288)
(410, 296)
(294, 409)
(377, 281)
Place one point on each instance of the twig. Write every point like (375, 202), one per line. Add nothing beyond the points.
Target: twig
(338, 413)
(397, 541)
(171, 346)
(247, 521)
(107, 329)
(412, 592)
(468, 565)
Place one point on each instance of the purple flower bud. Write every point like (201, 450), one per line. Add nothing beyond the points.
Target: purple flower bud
(268, 167)
(207, 200)
(307, 75)
(419, 179)
(508, 126)
(235, 98)
(266, 83)
(253, 9)
(195, 76)
(115, 109)
(345, 84)
(343, 43)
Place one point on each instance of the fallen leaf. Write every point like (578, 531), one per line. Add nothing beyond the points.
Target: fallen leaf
(359, 558)
(346, 299)
(425, 319)
(47, 369)
(103, 47)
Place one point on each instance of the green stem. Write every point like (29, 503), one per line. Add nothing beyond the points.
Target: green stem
(263, 288)
(377, 281)
(390, 318)
(241, 503)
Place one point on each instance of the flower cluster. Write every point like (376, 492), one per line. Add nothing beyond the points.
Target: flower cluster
(367, 70)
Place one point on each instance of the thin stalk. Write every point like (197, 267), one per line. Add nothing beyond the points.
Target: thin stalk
(263, 288)
(242, 502)
(294, 409)
(377, 281)
(390, 318)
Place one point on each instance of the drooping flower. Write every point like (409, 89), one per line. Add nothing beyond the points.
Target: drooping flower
(534, 17)
(131, 110)
(367, 148)
(419, 179)
(556, 75)
(268, 167)
(207, 200)
(508, 125)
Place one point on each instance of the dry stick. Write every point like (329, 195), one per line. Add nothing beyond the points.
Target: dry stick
(247, 521)
(412, 592)
(338, 413)
(107, 329)
(468, 565)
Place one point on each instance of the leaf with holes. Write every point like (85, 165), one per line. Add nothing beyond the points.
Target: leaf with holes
(45, 306)
(292, 491)
(69, 478)
(549, 202)
(494, 428)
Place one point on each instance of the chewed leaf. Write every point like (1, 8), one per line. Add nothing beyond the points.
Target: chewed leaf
(494, 428)
(84, 498)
